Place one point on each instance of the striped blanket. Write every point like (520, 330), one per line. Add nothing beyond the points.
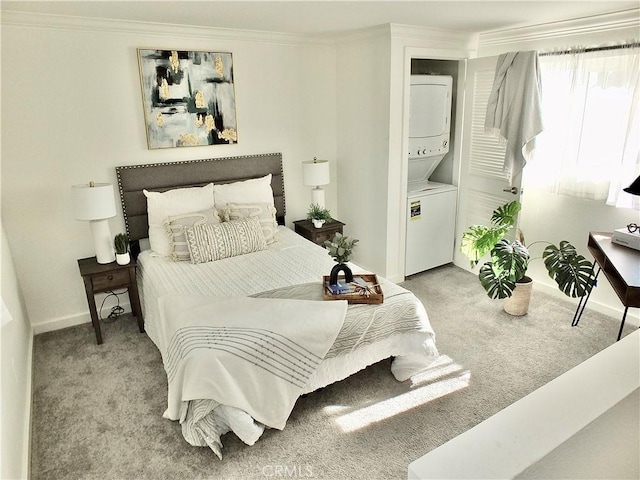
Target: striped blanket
(233, 360)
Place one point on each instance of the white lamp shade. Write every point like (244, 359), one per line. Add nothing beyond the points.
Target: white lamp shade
(315, 172)
(93, 203)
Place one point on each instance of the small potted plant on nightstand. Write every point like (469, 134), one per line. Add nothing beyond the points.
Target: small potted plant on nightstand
(318, 215)
(121, 244)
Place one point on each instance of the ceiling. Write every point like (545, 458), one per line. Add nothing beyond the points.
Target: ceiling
(331, 17)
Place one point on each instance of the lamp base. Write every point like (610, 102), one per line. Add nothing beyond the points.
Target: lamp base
(317, 196)
(102, 241)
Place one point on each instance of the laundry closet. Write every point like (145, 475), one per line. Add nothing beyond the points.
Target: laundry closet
(431, 191)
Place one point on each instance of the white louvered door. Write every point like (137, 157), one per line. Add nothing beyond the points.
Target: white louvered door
(483, 184)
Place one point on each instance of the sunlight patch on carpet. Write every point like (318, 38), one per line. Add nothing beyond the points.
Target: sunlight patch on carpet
(442, 367)
(393, 406)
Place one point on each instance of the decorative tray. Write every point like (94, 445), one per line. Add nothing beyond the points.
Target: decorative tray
(355, 292)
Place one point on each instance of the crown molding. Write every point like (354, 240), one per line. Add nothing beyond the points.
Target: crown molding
(626, 19)
(437, 37)
(128, 27)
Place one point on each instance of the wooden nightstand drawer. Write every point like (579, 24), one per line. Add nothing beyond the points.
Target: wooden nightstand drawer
(318, 235)
(109, 280)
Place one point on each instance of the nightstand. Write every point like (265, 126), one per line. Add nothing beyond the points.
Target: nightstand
(318, 235)
(106, 277)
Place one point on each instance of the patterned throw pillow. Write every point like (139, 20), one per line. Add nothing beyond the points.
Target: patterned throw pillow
(265, 212)
(210, 242)
(176, 228)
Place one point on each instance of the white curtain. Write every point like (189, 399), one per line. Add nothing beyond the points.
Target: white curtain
(590, 146)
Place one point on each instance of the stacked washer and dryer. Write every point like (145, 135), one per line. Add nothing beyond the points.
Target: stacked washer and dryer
(431, 206)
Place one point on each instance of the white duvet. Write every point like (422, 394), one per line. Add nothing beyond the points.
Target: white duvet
(289, 270)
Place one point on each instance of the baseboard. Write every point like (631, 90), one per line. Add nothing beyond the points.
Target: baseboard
(633, 317)
(26, 461)
(69, 321)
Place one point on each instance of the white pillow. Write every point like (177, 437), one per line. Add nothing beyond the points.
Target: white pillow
(210, 242)
(161, 205)
(255, 190)
(264, 211)
(176, 228)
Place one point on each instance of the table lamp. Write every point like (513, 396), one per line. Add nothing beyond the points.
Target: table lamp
(95, 202)
(314, 174)
(630, 236)
(634, 188)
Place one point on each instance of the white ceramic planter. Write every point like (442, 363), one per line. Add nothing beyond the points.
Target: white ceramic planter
(123, 258)
(317, 223)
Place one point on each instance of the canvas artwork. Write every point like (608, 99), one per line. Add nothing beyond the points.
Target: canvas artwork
(188, 97)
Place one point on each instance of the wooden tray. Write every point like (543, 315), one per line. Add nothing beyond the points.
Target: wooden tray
(371, 279)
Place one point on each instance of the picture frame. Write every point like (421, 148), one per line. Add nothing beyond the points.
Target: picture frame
(188, 97)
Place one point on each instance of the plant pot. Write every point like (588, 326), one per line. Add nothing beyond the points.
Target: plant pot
(335, 271)
(518, 303)
(317, 223)
(123, 258)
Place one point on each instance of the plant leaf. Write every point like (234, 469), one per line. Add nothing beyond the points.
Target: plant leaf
(571, 271)
(506, 215)
(512, 258)
(493, 280)
(478, 240)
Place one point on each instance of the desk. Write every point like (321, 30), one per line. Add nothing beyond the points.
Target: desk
(621, 267)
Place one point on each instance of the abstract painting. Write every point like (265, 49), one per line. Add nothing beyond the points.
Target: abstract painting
(188, 98)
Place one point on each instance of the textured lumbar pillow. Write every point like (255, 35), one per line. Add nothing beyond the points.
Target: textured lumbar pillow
(210, 242)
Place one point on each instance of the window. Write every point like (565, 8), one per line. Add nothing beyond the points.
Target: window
(590, 145)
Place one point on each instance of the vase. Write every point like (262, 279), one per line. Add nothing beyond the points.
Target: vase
(335, 271)
(317, 222)
(123, 258)
(518, 303)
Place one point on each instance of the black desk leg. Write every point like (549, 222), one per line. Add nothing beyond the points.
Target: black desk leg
(624, 317)
(583, 300)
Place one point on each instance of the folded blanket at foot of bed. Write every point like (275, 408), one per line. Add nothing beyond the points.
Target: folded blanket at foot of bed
(253, 354)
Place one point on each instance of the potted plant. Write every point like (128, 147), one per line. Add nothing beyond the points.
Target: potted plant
(505, 274)
(340, 248)
(121, 244)
(318, 215)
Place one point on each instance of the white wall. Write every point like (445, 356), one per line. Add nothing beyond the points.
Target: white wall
(362, 137)
(15, 372)
(550, 217)
(72, 111)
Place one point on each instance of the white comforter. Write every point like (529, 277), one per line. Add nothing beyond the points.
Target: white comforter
(291, 268)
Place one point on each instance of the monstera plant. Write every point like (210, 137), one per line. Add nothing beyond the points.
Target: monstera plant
(510, 257)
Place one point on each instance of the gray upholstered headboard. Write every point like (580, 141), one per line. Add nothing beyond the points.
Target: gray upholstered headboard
(160, 177)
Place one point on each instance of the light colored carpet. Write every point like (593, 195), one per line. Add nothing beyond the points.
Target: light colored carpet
(97, 410)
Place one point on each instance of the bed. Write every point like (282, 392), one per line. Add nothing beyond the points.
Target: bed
(241, 324)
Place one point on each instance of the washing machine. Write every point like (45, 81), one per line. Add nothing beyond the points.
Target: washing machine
(431, 223)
